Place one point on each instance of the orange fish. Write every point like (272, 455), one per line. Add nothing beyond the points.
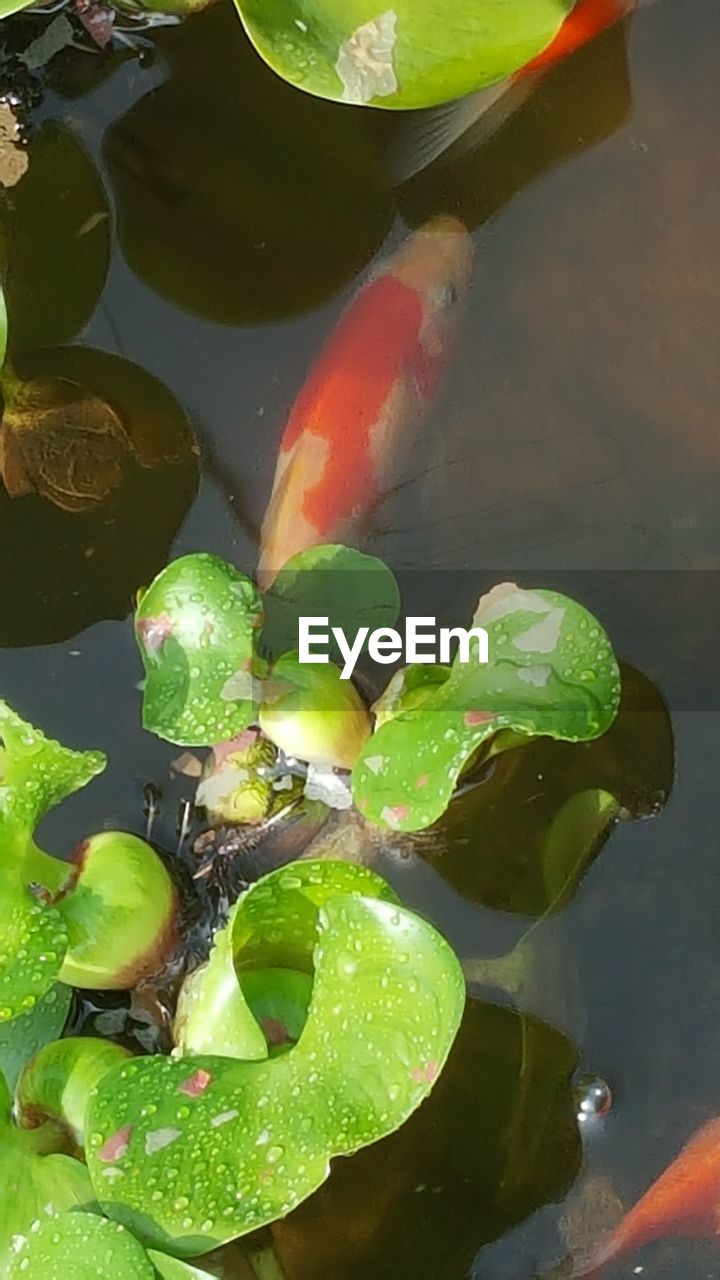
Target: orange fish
(685, 1201)
(378, 371)
(422, 136)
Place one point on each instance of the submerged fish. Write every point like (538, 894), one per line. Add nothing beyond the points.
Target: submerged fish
(377, 372)
(684, 1201)
(421, 137)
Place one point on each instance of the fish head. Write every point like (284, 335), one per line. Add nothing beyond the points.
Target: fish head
(436, 261)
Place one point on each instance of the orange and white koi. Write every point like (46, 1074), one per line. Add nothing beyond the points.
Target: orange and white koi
(422, 136)
(684, 1201)
(375, 375)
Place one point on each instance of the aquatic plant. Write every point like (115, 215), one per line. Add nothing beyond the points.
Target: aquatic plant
(320, 1022)
(103, 920)
(414, 53)
(199, 627)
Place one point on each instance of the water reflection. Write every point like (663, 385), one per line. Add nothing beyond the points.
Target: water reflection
(239, 198)
(496, 1140)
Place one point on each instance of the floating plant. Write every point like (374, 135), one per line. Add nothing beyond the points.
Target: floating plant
(412, 54)
(551, 672)
(104, 920)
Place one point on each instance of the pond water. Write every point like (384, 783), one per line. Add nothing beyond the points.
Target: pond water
(574, 444)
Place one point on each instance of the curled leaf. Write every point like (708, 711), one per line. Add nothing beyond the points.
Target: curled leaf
(120, 913)
(387, 999)
(551, 672)
(55, 1084)
(195, 627)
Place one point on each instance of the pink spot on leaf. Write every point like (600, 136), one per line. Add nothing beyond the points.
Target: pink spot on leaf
(155, 631)
(116, 1145)
(395, 814)
(422, 781)
(473, 718)
(426, 1074)
(195, 1084)
(275, 1031)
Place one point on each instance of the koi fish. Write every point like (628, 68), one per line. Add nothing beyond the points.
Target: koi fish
(425, 135)
(685, 1201)
(377, 372)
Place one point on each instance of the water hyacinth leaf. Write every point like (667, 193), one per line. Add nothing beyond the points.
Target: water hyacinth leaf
(195, 626)
(24, 1035)
(175, 1269)
(346, 586)
(120, 914)
(387, 1000)
(274, 924)
(407, 689)
(312, 713)
(212, 1014)
(55, 1084)
(551, 672)
(415, 53)
(272, 928)
(278, 1000)
(34, 941)
(35, 1185)
(36, 774)
(84, 1246)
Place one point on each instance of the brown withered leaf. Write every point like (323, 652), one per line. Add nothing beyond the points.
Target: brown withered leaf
(60, 441)
(13, 157)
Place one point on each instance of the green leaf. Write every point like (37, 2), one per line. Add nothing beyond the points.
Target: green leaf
(24, 1035)
(195, 628)
(312, 713)
(35, 1186)
(55, 1084)
(551, 672)
(349, 588)
(407, 689)
(84, 1246)
(120, 915)
(414, 53)
(386, 1002)
(36, 774)
(272, 929)
(13, 6)
(175, 1269)
(33, 945)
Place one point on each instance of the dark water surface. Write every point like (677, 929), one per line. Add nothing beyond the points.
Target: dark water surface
(575, 442)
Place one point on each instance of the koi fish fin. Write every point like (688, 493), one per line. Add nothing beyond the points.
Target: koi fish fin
(683, 1201)
(419, 138)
